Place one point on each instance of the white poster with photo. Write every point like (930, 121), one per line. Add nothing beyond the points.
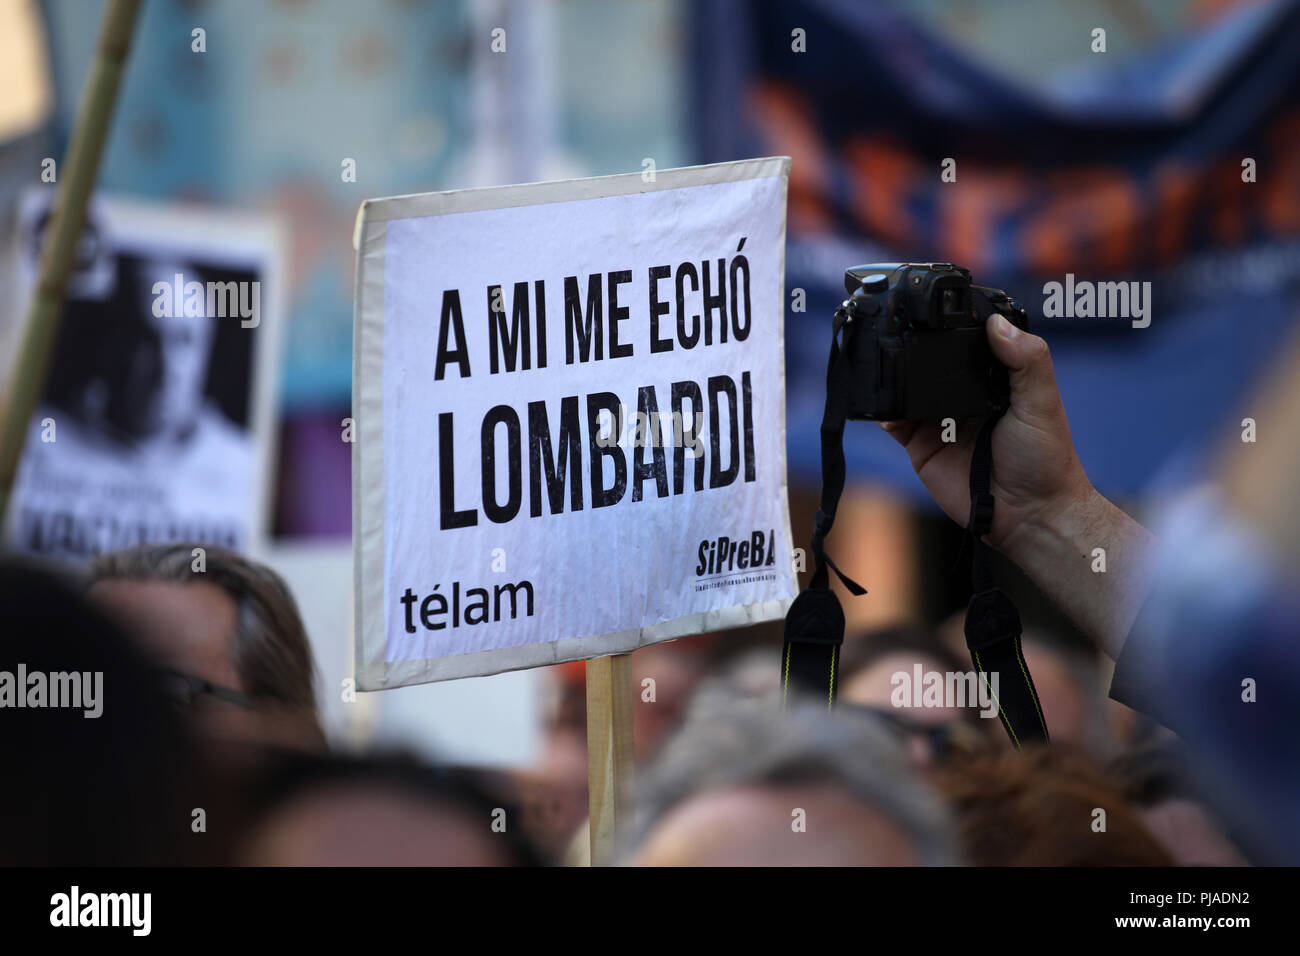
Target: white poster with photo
(157, 415)
(569, 406)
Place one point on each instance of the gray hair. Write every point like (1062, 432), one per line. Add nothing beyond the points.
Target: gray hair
(272, 654)
(730, 741)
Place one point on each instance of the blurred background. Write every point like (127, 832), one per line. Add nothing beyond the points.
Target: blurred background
(1125, 164)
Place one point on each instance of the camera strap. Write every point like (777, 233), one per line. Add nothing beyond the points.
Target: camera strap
(992, 621)
(814, 625)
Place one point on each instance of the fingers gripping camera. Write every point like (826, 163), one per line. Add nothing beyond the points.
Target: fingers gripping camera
(915, 342)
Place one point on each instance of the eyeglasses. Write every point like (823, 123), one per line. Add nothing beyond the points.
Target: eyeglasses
(940, 739)
(185, 689)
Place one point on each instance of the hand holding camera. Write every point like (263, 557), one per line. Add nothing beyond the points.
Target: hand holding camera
(1049, 517)
(950, 370)
(929, 346)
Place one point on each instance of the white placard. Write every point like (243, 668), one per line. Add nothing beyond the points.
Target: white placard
(502, 517)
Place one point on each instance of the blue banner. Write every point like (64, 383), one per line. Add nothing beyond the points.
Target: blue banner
(1176, 172)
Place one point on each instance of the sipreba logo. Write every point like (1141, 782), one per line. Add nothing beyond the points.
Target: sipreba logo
(723, 555)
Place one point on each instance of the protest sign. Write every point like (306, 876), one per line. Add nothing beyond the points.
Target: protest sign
(569, 419)
(156, 420)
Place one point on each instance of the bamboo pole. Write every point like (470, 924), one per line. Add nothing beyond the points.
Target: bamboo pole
(76, 181)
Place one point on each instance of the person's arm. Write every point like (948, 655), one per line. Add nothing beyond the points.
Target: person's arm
(1058, 554)
(1048, 517)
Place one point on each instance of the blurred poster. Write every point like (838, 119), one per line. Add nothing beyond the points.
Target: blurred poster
(156, 418)
(269, 120)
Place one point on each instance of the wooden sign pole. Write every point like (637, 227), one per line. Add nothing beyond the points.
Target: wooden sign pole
(610, 699)
(76, 180)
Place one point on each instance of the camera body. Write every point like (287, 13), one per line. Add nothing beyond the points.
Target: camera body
(915, 342)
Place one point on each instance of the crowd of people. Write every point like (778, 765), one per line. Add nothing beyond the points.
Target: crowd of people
(208, 749)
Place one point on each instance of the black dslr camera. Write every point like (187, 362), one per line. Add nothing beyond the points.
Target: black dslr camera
(909, 344)
(915, 342)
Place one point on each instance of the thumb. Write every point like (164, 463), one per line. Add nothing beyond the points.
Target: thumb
(1029, 362)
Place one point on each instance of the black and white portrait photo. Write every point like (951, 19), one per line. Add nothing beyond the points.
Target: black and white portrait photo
(145, 431)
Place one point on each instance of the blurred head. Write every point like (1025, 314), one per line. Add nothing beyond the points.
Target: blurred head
(746, 784)
(675, 667)
(754, 672)
(230, 635)
(877, 673)
(379, 811)
(167, 369)
(1160, 782)
(105, 789)
(1045, 806)
(1067, 679)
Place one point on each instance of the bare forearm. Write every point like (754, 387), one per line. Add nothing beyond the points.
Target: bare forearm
(1060, 553)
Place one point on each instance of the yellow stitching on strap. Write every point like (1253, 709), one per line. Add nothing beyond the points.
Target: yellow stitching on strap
(830, 690)
(1033, 693)
(785, 678)
(1005, 719)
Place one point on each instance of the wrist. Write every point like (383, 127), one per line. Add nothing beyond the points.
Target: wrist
(1065, 544)
(1059, 525)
